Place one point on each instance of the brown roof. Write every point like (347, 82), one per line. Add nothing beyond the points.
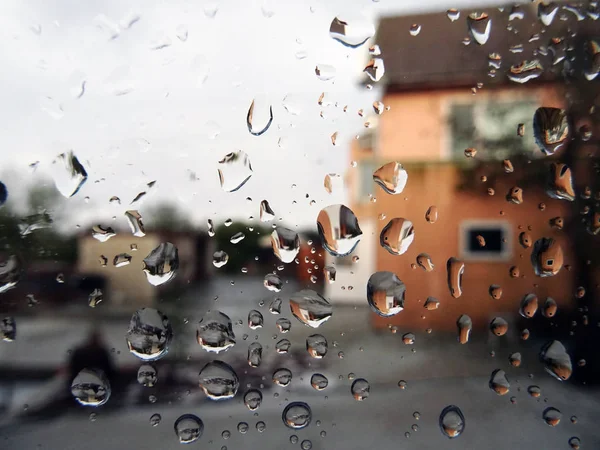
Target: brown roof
(437, 58)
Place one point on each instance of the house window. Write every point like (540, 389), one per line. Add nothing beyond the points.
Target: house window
(485, 240)
(490, 126)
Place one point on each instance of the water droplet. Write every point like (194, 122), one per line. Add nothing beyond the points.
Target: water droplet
(352, 33)
(253, 399)
(333, 183)
(560, 182)
(261, 426)
(255, 354)
(455, 269)
(593, 61)
(282, 377)
(414, 29)
(297, 415)
(161, 264)
(215, 332)
(310, 308)
(557, 361)
(534, 391)
(575, 443)
(316, 345)
(431, 304)
(480, 26)
(258, 120)
(465, 325)
(470, 152)
(273, 282)
(283, 325)
(285, 244)
(101, 233)
(529, 306)
(453, 14)
(339, 230)
(424, 262)
(103, 260)
(551, 129)
(134, 219)
(266, 213)
(397, 236)
(306, 444)
(525, 71)
(546, 12)
(515, 195)
(8, 329)
(515, 359)
(218, 380)
(283, 346)
(325, 72)
(95, 298)
(293, 439)
(91, 388)
(525, 239)
(408, 338)
(243, 427)
(149, 334)
(68, 174)
(386, 293)
(499, 383)
(499, 326)
(255, 319)
(552, 416)
(546, 257)
(188, 428)
(237, 237)
(319, 381)
(147, 375)
(155, 419)
(375, 69)
(122, 259)
(452, 421)
(550, 308)
(391, 177)
(210, 228)
(220, 258)
(234, 170)
(275, 306)
(360, 389)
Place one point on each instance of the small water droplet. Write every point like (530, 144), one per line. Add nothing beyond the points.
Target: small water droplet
(551, 129)
(282, 377)
(465, 325)
(220, 258)
(95, 298)
(306, 444)
(352, 31)
(218, 380)
(547, 12)
(234, 170)
(453, 14)
(546, 257)
(147, 375)
(397, 236)
(258, 119)
(90, 387)
(215, 332)
(452, 421)
(188, 428)
(275, 306)
(360, 389)
(431, 215)
(455, 269)
(161, 264)
(498, 326)
(386, 293)
(391, 177)
(255, 319)
(283, 325)
(310, 308)
(499, 383)
(285, 244)
(297, 415)
(155, 419)
(134, 219)
(316, 346)
(480, 26)
(552, 416)
(525, 71)
(557, 361)
(375, 69)
(149, 334)
(325, 72)
(68, 174)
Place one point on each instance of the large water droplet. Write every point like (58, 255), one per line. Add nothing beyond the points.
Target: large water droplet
(147, 375)
(557, 361)
(546, 257)
(255, 354)
(529, 306)
(391, 177)
(8, 329)
(188, 428)
(480, 26)
(352, 32)
(319, 381)
(385, 293)
(102, 234)
(360, 389)
(499, 383)
(339, 230)
(452, 421)
(220, 258)
(464, 325)
(234, 170)
(255, 319)
(296, 415)
(456, 269)
(215, 332)
(316, 345)
(11, 270)
(260, 116)
(310, 308)
(551, 129)
(68, 174)
(546, 12)
(375, 69)
(149, 334)
(218, 380)
(560, 182)
(525, 71)
(91, 388)
(161, 264)
(282, 377)
(397, 236)
(285, 244)
(253, 399)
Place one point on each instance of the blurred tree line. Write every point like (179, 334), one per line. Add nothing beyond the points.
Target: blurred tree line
(243, 253)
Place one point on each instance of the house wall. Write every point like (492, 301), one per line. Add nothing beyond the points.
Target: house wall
(415, 132)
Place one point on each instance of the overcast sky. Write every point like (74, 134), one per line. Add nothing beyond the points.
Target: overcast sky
(167, 89)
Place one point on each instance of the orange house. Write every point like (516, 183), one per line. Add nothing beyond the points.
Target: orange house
(441, 98)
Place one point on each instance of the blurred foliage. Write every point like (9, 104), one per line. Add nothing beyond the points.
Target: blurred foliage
(166, 217)
(243, 253)
(31, 235)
